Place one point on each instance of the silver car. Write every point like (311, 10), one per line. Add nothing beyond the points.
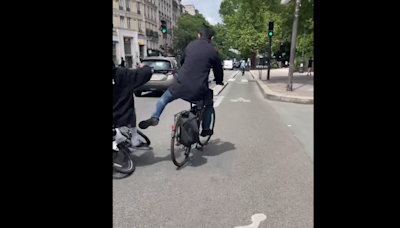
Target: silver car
(165, 69)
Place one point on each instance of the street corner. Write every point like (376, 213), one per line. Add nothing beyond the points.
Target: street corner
(275, 96)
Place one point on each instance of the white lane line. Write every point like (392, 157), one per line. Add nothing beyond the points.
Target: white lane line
(231, 80)
(256, 219)
(218, 101)
(245, 80)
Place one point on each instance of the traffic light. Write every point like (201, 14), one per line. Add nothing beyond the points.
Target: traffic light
(271, 28)
(163, 27)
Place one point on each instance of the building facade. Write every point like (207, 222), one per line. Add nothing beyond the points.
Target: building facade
(125, 33)
(190, 9)
(165, 16)
(169, 11)
(149, 26)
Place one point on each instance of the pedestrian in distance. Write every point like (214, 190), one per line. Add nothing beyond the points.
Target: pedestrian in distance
(310, 65)
(122, 62)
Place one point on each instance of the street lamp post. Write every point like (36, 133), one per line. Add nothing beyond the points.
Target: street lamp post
(289, 86)
(301, 70)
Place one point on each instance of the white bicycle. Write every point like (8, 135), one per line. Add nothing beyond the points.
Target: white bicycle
(122, 161)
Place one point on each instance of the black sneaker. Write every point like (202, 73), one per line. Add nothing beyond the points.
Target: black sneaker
(205, 133)
(150, 122)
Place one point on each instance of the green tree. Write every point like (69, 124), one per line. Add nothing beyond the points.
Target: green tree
(247, 24)
(187, 28)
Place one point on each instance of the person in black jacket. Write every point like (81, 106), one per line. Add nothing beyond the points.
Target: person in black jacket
(125, 81)
(192, 81)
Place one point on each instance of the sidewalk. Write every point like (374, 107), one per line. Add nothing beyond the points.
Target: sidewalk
(275, 88)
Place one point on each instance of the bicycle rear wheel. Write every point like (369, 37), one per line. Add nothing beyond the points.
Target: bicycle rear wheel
(144, 137)
(179, 152)
(204, 140)
(122, 161)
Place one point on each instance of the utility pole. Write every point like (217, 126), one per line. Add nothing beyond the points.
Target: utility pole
(301, 70)
(289, 86)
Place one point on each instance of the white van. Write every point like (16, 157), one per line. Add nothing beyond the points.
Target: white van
(228, 64)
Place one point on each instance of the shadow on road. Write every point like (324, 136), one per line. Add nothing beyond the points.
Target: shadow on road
(148, 158)
(213, 148)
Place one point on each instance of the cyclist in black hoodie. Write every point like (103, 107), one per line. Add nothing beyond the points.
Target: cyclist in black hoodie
(192, 82)
(125, 81)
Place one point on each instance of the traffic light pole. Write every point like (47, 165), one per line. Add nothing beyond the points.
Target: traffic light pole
(270, 56)
(165, 45)
(289, 86)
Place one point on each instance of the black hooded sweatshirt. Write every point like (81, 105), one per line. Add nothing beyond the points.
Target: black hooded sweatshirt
(125, 81)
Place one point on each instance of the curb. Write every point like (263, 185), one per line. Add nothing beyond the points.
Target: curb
(271, 95)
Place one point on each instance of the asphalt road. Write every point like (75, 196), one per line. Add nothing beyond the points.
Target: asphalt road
(253, 164)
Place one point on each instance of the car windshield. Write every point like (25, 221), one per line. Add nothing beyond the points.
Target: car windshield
(158, 64)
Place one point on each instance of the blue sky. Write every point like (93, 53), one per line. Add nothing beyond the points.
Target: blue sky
(209, 9)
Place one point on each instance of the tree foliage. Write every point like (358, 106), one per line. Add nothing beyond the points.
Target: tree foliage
(187, 29)
(246, 23)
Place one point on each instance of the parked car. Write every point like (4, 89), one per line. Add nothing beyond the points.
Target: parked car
(165, 69)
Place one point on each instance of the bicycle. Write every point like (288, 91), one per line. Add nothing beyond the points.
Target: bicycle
(176, 132)
(122, 161)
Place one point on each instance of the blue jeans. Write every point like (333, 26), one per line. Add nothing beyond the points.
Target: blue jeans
(167, 97)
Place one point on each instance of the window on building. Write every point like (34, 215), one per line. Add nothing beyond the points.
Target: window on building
(140, 25)
(121, 4)
(122, 22)
(128, 5)
(114, 53)
(138, 7)
(128, 20)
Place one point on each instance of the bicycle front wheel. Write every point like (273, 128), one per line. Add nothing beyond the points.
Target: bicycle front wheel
(179, 152)
(204, 140)
(122, 161)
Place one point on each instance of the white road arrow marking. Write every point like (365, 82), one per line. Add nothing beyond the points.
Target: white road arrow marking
(256, 220)
(240, 100)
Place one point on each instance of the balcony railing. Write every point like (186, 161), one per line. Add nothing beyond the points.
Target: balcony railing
(152, 33)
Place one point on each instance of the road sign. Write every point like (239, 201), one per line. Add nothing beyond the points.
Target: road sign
(283, 2)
